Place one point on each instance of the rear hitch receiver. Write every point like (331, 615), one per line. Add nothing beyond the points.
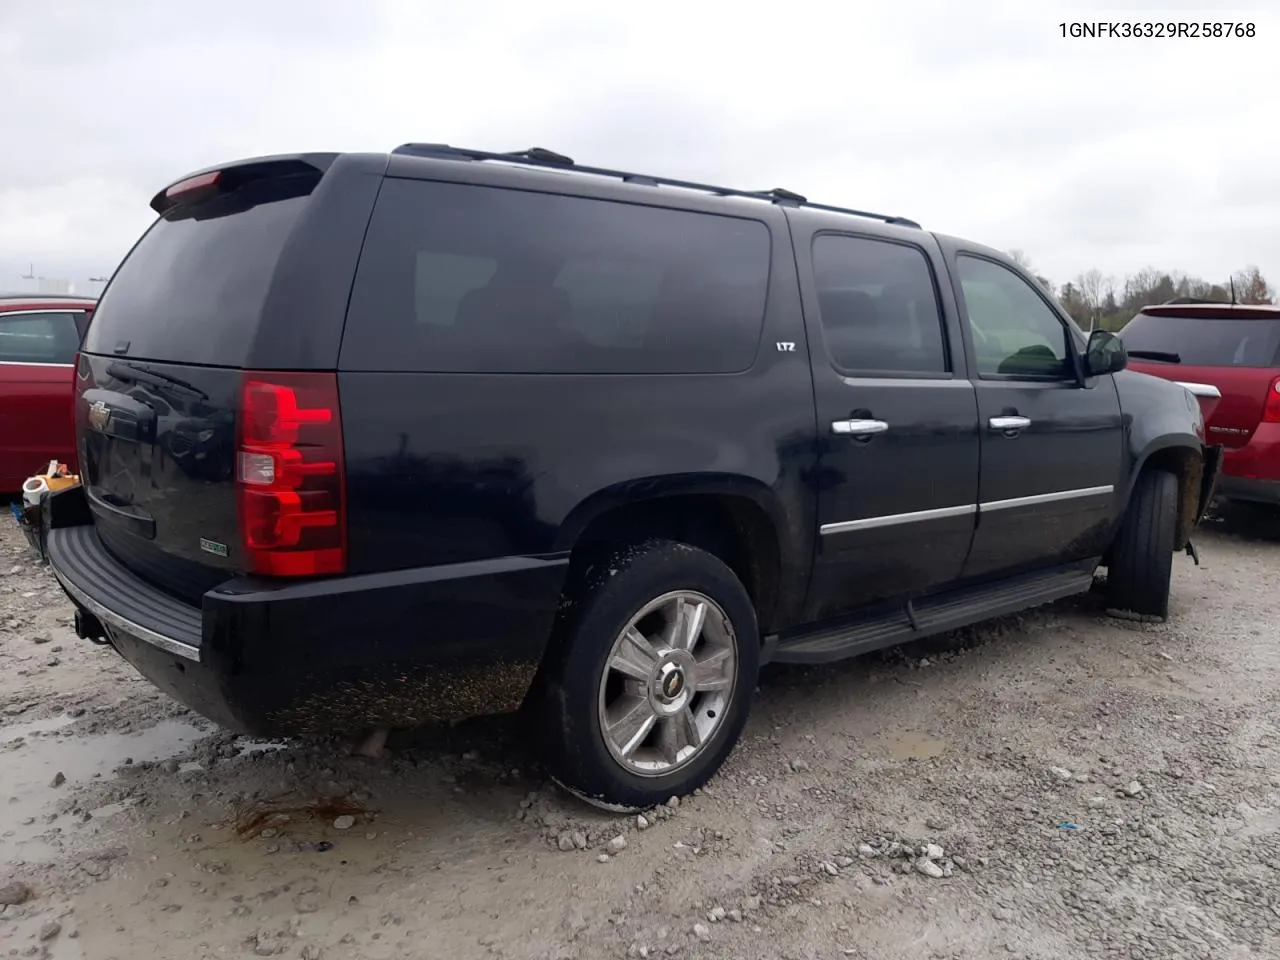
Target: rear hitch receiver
(89, 627)
(1192, 552)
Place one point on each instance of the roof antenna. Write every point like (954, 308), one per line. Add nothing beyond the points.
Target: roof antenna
(1232, 281)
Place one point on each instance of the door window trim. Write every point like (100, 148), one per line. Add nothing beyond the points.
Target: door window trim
(861, 374)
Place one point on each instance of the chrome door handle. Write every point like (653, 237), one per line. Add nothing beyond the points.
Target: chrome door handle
(858, 428)
(1007, 424)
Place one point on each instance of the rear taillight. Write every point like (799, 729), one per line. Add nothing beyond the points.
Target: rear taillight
(290, 475)
(1271, 409)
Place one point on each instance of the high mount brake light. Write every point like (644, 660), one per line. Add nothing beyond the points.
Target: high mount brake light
(199, 182)
(290, 476)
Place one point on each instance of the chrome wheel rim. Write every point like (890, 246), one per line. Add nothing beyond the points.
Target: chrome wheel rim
(668, 683)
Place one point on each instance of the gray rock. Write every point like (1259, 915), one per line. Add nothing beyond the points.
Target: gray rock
(307, 901)
(929, 869)
(716, 914)
(13, 894)
(579, 839)
(344, 822)
(702, 932)
(58, 780)
(673, 802)
(565, 840)
(93, 868)
(866, 850)
(603, 858)
(735, 915)
(311, 952)
(1062, 773)
(42, 638)
(618, 844)
(932, 852)
(1133, 788)
(265, 946)
(641, 822)
(50, 929)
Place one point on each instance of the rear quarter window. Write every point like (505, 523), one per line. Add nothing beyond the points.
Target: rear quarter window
(458, 278)
(1207, 341)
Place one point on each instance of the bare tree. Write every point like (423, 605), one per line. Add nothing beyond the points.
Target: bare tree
(1091, 286)
(1251, 286)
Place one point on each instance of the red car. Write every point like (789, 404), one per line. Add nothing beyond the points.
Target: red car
(39, 337)
(1229, 356)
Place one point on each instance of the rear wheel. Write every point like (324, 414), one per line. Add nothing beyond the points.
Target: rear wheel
(1141, 559)
(650, 678)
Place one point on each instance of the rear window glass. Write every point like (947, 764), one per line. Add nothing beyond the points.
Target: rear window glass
(457, 278)
(194, 286)
(1207, 342)
(39, 338)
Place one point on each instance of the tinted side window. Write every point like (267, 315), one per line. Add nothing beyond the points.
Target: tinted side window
(458, 278)
(1015, 333)
(878, 306)
(39, 338)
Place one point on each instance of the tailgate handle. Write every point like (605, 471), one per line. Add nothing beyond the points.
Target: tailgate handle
(122, 417)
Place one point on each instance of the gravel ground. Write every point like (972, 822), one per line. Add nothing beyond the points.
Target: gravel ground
(1052, 785)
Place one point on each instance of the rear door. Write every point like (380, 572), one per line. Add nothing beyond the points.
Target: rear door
(897, 420)
(1052, 448)
(37, 357)
(1235, 349)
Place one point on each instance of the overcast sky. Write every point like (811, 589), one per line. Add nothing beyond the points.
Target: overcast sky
(975, 118)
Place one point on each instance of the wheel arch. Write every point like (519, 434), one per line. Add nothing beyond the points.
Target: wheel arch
(738, 519)
(1183, 456)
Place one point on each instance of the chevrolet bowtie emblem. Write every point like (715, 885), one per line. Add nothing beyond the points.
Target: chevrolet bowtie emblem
(99, 414)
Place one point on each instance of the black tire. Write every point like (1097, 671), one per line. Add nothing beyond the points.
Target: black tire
(1141, 564)
(598, 606)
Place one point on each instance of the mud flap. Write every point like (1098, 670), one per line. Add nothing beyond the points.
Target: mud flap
(1208, 485)
(1192, 552)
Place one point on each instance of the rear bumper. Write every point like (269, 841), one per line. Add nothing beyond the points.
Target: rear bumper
(1252, 472)
(1254, 491)
(324, 656)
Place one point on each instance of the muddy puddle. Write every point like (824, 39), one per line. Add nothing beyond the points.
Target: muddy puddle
(913, 745)
(41, 762)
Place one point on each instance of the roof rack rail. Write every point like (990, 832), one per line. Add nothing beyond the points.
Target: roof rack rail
(549, 159)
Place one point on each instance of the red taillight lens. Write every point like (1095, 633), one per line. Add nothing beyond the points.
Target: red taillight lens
(1271, 408)
(290, 474)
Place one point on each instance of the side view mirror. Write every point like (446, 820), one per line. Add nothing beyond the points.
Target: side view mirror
(1104, 354)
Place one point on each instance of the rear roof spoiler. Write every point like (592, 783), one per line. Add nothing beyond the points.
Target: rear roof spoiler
(1207, 310)
(228, 176)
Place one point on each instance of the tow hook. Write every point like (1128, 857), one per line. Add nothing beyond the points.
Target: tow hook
(1193, 553)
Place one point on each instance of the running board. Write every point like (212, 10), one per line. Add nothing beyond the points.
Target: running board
(932, 615)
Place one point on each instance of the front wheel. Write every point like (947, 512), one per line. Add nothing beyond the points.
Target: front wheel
(650, 678)
(1141, 561)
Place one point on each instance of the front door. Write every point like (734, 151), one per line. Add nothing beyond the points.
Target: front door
(1052, 442)
(897, 474)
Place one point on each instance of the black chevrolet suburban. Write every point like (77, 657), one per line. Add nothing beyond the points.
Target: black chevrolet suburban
(370, 440)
